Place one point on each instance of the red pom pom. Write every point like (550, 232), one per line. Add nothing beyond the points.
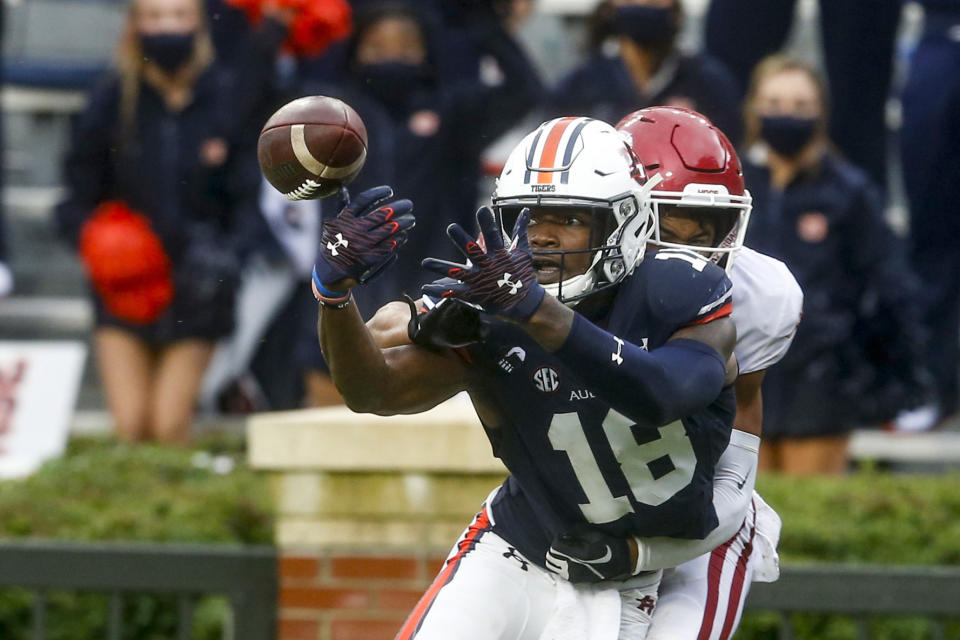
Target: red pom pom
(126, 263)
(316, 24)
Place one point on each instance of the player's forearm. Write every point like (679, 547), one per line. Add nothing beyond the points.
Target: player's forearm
(385, 379)
(388, 326)
(551, 323)
(356, 363)
(675, 380)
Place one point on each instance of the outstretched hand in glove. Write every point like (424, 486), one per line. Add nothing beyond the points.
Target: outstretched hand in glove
(498, 278)
(361, 241)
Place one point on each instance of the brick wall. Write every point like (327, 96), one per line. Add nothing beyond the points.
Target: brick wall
(349, 596)
(367, 509)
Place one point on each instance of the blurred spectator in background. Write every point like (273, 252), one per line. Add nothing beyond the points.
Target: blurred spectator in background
(426, 132)
(262, 43)
(930, 140)
(642, 67)
(252, 370)
(855, 349)
(151, 160)
(858, 40)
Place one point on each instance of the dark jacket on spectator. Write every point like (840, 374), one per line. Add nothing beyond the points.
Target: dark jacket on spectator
(154, 166)
(428, 149)
(602, 88)
(854, 356)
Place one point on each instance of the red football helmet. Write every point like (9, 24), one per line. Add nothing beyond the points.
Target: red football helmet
(695, 169)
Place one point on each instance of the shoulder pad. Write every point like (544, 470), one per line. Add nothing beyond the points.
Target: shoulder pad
(767, 305)
(683, 288)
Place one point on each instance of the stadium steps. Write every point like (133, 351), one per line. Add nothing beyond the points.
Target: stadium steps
(49, 301)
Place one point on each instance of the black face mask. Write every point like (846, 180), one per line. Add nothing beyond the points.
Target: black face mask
(787, 135)
(169, 51)
(392, 82)
(647, 26)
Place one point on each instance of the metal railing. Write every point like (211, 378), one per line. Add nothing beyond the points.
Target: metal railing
(860, 593)
(247, 576)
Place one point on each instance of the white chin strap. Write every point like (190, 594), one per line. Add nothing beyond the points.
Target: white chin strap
(572, 287)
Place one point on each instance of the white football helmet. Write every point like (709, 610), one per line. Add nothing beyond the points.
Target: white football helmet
(583, 164)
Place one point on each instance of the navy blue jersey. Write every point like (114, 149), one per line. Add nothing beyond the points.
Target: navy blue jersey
(572, 457)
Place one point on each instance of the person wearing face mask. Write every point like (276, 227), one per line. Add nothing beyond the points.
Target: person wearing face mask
(426, 131)
(636, 63)
(858, 42)
(153, 151)
(854, 359)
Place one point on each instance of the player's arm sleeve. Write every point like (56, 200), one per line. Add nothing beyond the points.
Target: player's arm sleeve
(733, 483)
(677, 379)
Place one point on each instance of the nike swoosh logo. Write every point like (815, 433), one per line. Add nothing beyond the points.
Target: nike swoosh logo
(743, 482)
(605, 558)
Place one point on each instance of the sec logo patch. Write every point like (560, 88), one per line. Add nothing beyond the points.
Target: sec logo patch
(546, 380)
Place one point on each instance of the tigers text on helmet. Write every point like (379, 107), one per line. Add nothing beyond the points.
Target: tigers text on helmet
(579, 164)
(699, 175)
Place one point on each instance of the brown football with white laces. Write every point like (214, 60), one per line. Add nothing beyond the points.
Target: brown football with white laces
(311, 147)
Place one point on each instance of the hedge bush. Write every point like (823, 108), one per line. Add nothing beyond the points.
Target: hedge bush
(105, 490)
(865, 518)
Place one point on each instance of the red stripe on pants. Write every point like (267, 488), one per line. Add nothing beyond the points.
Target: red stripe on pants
(714, 574)
(412, 625)
(736, 589)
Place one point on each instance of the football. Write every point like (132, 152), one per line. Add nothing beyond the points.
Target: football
(311, 146)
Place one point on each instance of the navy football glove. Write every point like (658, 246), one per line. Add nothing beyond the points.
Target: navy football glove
(589, 555)
(362, 240)
(450, 324)
(500, 279)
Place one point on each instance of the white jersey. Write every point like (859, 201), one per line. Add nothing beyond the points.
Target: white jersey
(767, 304)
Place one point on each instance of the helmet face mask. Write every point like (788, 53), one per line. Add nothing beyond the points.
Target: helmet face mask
(580, 268)
(725, 216)
(577, 165)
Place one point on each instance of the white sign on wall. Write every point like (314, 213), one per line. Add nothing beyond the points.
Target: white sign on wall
(38, 389)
